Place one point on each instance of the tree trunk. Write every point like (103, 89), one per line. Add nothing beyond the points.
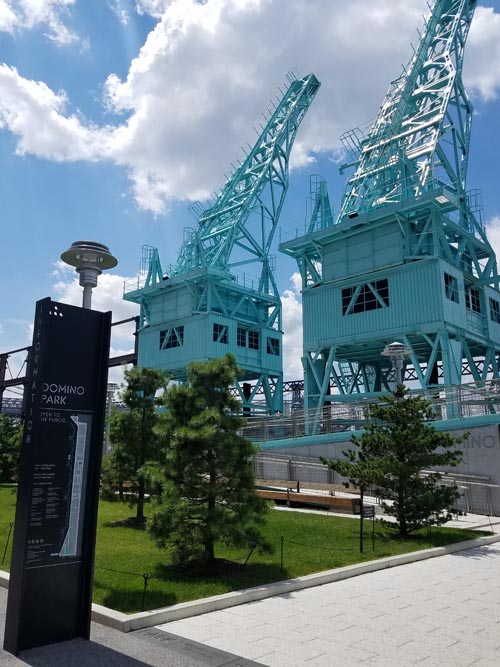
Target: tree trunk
(403, 527)
(209, 549)
(212, 491)
(140, 462)
(140, 501)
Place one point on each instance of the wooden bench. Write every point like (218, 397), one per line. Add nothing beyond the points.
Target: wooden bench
(293, 499)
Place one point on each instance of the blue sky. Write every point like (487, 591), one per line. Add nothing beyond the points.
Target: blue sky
(116, 114)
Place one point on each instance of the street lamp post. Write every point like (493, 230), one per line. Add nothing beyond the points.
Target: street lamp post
(396, 353)
(90, 259)
(112, 387)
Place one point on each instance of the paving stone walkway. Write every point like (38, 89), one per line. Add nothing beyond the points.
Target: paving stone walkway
(111, 648)
(444, 611)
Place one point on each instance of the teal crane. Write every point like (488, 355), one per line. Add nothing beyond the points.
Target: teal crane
(221, 295)
(407, 258)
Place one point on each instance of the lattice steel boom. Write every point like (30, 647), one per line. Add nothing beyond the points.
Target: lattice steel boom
(408, 258)
(420, 138)
(245, 213)
(207, 306)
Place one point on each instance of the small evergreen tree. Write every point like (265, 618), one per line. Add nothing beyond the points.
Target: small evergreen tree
(116, 468)
(10, 447)
(132, 433)
(206, 483)
(389, 458)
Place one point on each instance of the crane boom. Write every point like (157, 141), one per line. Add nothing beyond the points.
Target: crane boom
(407, 258)
(256, 190)
(420, 138)
(203, 308)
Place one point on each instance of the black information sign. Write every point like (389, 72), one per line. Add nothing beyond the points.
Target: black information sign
(50, 584)
(368, 511)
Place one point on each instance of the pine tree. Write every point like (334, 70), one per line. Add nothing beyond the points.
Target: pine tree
(206, 485)
(391, 454)
(132, 433)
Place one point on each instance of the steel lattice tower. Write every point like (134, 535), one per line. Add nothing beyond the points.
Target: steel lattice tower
(207, 306)
(407, 258)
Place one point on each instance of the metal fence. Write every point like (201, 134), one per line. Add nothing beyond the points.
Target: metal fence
(453, 402)
(475, 490)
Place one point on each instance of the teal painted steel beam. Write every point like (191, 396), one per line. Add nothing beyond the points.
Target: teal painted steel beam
(462, 424)
(407, 257)
(426, 111)
(256, 190)
(205, 307)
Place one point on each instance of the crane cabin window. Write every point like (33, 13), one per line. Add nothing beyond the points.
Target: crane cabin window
(173, 337)
(368, 296)
(495, 311)
(273, 346)
(220, 333)
(451, 287)
(253, 340)
(472, 299)
(248, 338)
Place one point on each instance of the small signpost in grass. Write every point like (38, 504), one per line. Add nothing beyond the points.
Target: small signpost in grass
(368, 512)
(365, 512)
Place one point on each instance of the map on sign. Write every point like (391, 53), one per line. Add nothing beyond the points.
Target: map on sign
(72, 541)
(55, 526)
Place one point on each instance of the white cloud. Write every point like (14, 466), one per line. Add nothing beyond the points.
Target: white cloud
(7, 17)
(36, 115)
(152, 7)
(206, 70)
(216, 90)
(120, 11)
(292, 326)
(19, 15)
(482, 64)
(493, 232)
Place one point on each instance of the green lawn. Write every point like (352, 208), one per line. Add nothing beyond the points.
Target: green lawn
(312, 543)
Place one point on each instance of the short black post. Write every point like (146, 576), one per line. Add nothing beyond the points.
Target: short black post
(146, 578)
(373, 532)
(282, 550)
(361, 521)
(11, 525)
(252, 546)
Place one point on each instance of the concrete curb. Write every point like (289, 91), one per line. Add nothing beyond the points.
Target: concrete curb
(147, 619)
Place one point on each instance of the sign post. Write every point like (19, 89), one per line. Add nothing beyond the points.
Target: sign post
(368, 512)
(50, 584)
(361, 518)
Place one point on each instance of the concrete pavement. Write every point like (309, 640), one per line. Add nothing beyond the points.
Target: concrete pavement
(111, 648)
(444, 611)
